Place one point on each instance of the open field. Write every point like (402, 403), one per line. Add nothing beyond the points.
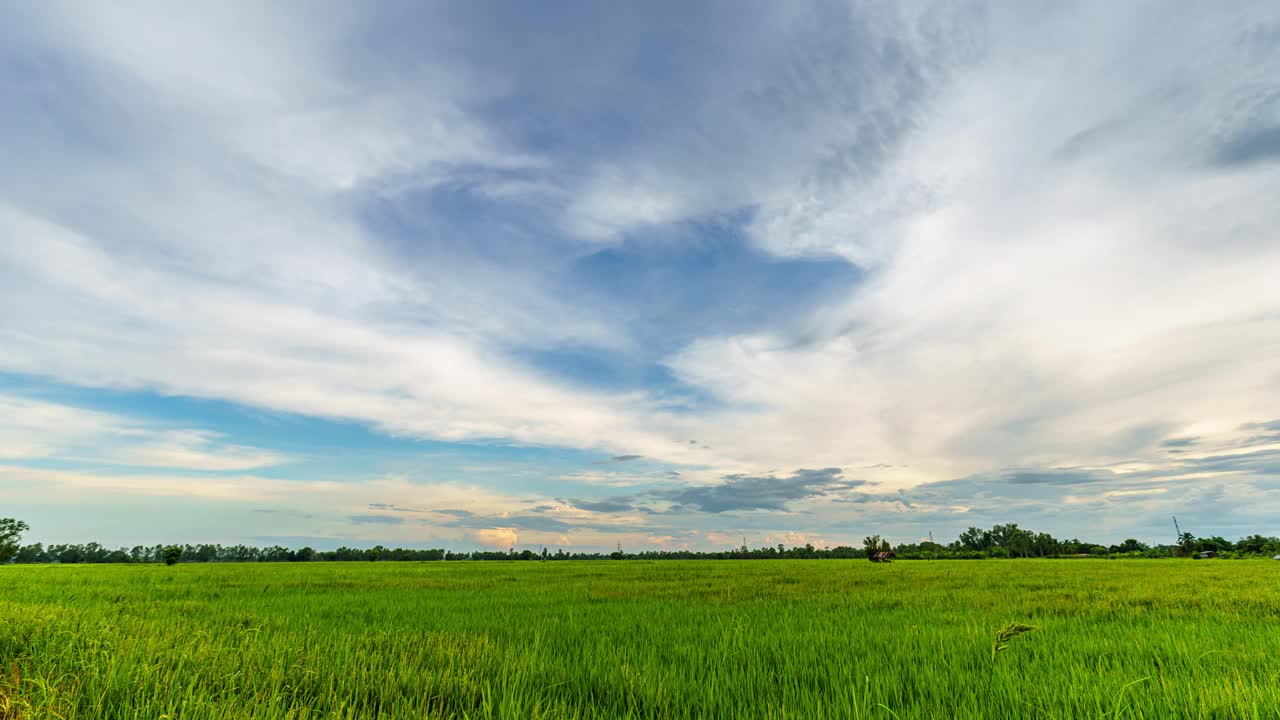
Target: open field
(729, 639)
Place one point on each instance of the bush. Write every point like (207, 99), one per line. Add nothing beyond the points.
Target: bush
(172, 555)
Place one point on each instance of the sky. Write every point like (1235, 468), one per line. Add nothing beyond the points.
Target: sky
(650, 275)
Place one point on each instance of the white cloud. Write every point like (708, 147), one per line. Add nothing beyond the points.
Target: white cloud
(78, 487)
(1045, 306)
(499, 538)
(258, 348)
(1063, 266)
(192, 450)
(33, 429)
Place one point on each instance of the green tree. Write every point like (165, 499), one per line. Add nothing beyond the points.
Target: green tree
(172, 555)
(1186, 544)
(31, 554)
(1216, 543)
(1043, 544)
(10, 535)
(871, 544)
(1012, 538)
(976, 539)
(1130, 545)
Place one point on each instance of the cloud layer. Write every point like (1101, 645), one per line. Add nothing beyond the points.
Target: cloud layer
(948, 251)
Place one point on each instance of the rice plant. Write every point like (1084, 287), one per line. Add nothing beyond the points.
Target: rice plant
(1007, 633)
(721, 639)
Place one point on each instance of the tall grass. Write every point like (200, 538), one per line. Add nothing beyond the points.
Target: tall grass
(820, 639)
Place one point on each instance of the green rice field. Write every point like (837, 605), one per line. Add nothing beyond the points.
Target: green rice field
(633, 639)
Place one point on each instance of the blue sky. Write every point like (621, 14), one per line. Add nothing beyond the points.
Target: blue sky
(660, 274)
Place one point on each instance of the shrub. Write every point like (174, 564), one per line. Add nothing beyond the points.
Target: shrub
(172, 555)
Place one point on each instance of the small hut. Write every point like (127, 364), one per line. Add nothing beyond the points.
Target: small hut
(884, 556)
(1206, 554)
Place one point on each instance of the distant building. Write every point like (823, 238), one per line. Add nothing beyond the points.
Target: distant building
(1206, 554)
(884, 556)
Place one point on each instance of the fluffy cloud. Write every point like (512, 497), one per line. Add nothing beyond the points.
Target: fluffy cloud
(494, 537)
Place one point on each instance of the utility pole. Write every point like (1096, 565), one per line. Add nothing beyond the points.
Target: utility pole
(1178, 530)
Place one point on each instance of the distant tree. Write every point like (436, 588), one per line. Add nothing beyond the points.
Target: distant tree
(67, 554)
(1043, 544)
(976, 539)
(1012, 538)
(871, 545)
(203, 553)
(1186, 544)
(927, 550)
(1216, 543)
(32, 554)
(1130, 545)
(10, 535)
(1259, 545)
(172, 555)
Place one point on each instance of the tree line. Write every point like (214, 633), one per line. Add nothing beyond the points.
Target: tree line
(95, 553)
(1000, 541)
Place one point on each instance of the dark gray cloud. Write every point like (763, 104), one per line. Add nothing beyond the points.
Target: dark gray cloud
(761, 492)
(376, 520)
(1179, 442)
(1251, 147)
(863, 498)
(1055, 476)
(626, 458)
